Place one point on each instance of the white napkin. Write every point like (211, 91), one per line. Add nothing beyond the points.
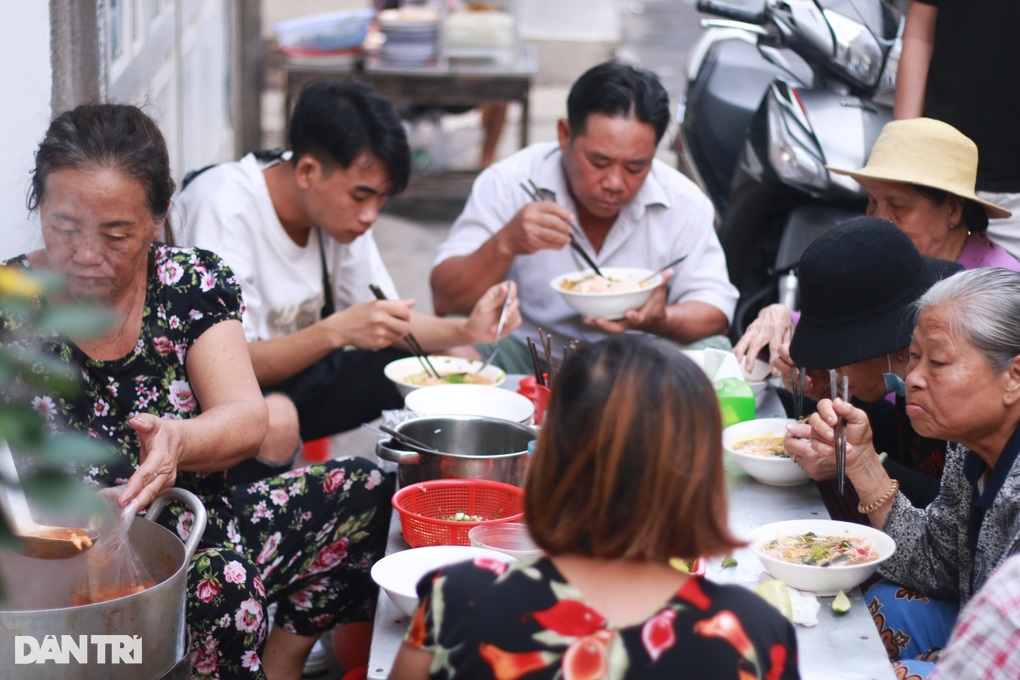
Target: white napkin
(720, 364)
(805, 605)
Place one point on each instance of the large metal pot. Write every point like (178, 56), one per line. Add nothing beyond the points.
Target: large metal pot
(472, 447)
(37, 593)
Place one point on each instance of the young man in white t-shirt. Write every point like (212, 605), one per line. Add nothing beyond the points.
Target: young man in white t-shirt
(294, 227)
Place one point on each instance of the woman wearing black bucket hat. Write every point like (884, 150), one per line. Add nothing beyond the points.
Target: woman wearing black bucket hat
(859, 282)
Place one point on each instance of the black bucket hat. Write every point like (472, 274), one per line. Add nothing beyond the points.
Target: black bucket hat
(858, 281)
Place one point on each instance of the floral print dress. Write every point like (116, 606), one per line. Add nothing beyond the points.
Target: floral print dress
(484, 619)
(305, 539)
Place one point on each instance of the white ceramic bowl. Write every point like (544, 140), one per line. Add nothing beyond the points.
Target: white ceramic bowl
(770, 470)
(814, 579)
(511, 538)
(470, 400)
(608, 305)
(758, 378)
(400, 370)
(398, 573)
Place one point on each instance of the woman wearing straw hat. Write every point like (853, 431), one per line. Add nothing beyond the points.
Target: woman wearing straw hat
(920, 176)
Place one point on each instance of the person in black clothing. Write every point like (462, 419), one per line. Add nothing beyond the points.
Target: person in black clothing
(859, 282)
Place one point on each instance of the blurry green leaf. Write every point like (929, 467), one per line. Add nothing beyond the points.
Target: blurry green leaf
(59, 450)
(21, 425)
(728, 562)
(56, 491)
(80, 321)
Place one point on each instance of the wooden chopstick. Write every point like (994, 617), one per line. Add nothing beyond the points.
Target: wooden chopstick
(409, 339)
(539, 378)
(546, 340)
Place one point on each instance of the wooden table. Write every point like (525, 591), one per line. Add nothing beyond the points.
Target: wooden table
(447, 83)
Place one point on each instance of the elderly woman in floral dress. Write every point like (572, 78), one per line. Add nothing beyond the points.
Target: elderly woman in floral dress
(170, 386)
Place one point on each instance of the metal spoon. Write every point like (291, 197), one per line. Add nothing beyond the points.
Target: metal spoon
(499, 331)
(401, 437)
(36, 540)
(838, 559)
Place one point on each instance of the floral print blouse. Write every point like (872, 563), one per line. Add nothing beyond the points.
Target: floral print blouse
(485, 619)
(189, 291)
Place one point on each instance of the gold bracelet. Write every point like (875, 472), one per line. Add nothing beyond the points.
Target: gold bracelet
(886, 497)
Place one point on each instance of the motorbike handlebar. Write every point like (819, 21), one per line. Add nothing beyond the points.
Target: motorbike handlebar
(727, 11)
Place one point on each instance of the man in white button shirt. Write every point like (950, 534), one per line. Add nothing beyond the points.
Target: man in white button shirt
(632, 210)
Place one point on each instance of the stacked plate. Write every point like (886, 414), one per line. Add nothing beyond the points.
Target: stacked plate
(471, 400)
(410, 35)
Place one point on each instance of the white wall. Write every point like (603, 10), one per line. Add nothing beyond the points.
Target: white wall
(24, 115)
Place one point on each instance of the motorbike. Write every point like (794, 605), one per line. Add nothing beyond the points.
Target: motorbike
(773, 96)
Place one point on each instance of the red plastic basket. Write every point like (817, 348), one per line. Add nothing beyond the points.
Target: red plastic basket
(423, 507)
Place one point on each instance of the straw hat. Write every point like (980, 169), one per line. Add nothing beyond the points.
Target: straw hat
(925, 152)
(858, 281)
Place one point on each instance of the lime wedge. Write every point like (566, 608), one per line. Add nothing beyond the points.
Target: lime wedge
(777, 594)
(841, 603)
(681, 564)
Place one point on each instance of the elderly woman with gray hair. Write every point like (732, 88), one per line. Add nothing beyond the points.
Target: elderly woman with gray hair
(962, 385)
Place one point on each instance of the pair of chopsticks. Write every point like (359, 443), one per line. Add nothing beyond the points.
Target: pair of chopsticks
(533, 194)
(797, 380)
(536, 365)
(400, 436)
(840, 430)
(410, 340)
(546, 340)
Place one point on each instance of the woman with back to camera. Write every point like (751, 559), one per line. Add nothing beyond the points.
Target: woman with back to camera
(632, 425)
(170, 387)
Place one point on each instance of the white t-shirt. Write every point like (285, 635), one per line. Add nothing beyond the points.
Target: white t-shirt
(668, 217)
(227, 209)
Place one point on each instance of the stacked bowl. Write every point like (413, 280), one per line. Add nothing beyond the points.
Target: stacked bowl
(411, 35)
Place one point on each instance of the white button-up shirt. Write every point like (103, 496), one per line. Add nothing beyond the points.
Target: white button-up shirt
(668, 217)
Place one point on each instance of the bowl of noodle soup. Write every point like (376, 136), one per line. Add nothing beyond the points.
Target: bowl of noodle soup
(820, 556)
(608, 296)
(756, 446)
(408, 374)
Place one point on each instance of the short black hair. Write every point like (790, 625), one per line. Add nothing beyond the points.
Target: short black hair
(973, 217)
(119, 136)
(618, 89)
(336, 122)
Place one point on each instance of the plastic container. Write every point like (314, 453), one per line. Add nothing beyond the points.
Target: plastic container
(327, 32)
(736, 401)
(510, 538)
(426, 509)
(538, 394)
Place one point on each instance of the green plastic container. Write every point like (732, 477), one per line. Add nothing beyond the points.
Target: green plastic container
(736, 401)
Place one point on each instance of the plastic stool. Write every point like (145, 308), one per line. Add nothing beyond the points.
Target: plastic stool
(316, 451)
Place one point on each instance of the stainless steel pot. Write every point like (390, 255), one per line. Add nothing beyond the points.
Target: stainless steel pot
(37, 593)
(472, 447)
